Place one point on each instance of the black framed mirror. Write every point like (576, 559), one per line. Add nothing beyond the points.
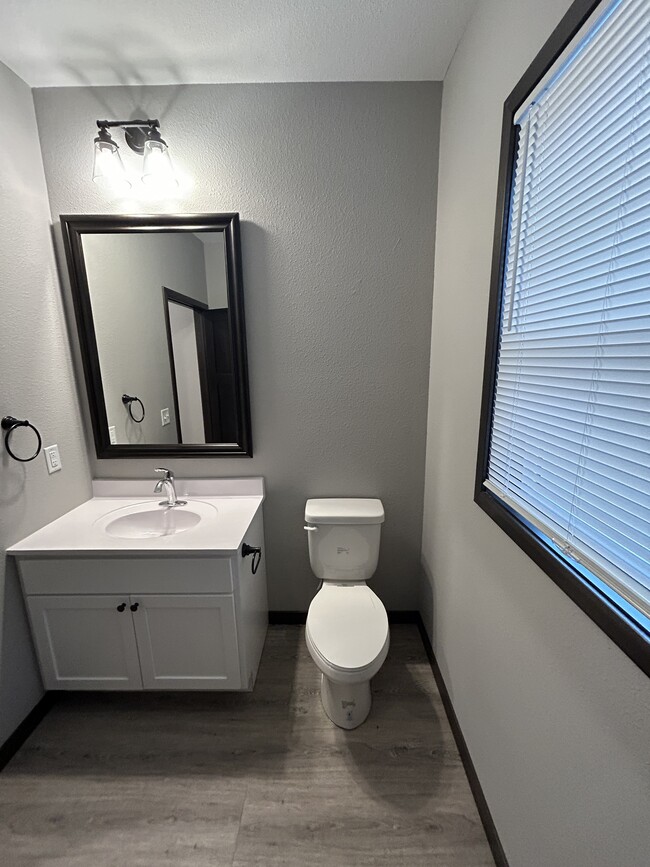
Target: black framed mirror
(159, 308)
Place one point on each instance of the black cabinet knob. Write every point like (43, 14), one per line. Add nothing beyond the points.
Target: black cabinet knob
(121, 606)
(135, 606)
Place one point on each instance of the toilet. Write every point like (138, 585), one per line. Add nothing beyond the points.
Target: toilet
(347, 627)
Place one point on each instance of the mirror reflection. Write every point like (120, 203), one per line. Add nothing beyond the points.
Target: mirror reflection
(162, 326)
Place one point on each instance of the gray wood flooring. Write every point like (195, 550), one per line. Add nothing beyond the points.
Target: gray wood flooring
(246, 779)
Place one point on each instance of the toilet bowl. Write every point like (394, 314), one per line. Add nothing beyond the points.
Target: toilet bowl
(347, 631)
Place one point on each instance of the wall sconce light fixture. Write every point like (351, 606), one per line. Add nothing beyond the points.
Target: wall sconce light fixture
(143, 137)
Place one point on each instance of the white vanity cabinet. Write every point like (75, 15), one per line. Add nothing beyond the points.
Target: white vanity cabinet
(136, 642)
(133, 621)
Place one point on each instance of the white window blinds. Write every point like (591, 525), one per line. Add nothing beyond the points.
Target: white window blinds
(570, 439)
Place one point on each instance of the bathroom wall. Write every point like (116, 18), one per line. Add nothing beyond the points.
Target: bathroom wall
(36, 383)
(556, 717)
(336, 188)
(126, 276)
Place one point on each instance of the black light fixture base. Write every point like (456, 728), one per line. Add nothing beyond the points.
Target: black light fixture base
(136, 132)
(135, 137)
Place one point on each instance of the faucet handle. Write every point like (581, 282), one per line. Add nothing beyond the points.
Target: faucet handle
(168, 473)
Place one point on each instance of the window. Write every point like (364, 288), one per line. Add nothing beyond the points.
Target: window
(564, 458)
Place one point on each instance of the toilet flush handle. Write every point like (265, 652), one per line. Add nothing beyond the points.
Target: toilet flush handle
(311, 529)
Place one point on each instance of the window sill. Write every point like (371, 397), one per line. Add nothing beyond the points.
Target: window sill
(615, 620)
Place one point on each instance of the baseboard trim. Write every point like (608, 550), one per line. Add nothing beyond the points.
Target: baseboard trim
(475, 785)
(288, 618)
(18, 737)
(404, 617)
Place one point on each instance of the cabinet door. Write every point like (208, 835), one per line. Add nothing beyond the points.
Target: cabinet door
(187, 642)
(85, 642)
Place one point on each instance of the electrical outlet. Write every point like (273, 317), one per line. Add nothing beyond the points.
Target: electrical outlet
(52, 458)
(164, 416)
(112, 435)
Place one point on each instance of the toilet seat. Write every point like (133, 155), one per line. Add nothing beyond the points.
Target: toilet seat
(347, 631)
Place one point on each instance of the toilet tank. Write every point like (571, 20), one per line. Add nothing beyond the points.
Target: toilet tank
(344, 537)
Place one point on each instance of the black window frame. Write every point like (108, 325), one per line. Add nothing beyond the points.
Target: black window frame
(613, 618)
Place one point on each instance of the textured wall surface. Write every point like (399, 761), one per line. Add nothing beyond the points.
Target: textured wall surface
(36, 383)
(336, 188)
(556, 717)
(126, 274)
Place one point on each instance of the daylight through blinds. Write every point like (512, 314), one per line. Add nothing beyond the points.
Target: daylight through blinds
(570, 441)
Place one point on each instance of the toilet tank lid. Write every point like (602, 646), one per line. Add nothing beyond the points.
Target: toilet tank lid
(344, 510)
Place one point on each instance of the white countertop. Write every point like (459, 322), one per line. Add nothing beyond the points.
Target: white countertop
(228, 507)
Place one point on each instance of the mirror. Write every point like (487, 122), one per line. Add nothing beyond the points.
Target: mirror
(160, 315)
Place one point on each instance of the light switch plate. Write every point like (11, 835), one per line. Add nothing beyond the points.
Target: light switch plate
(112, 436)
(52, 458)
(164, 416)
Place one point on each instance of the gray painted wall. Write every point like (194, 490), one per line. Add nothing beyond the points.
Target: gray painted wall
(336, 188)
(126, 274)
(36, 383)
(556, 717)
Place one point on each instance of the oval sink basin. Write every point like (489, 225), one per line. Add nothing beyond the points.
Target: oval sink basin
(154, 522)
(146, 521)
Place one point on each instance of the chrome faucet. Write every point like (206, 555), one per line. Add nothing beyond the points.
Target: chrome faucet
(167, 485)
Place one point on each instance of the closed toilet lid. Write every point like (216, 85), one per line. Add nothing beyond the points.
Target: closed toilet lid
(348, 625)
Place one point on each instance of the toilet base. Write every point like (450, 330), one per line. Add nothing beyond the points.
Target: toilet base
(346, 704)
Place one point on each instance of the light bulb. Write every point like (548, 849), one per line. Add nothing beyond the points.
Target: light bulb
(157, 169)
(108, 168)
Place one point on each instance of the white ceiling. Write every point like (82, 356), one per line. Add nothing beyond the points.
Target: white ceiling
(98, 42)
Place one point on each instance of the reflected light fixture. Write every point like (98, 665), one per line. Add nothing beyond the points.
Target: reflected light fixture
(143, 137)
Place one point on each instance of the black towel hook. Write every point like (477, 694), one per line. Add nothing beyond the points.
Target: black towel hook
(246, 550)
(127, 400)
(9, 425)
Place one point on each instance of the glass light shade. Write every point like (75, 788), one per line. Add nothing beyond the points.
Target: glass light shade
(108, 168)
(157, 170)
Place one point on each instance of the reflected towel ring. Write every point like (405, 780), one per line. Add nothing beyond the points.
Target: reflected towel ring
(127, 400)
(9, 424)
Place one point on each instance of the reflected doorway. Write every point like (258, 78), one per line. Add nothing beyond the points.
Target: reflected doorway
(202, 372)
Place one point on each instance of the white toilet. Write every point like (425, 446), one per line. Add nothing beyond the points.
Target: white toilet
(347, 626)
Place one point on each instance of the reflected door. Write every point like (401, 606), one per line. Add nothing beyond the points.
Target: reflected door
(203, 382)
(185, 341)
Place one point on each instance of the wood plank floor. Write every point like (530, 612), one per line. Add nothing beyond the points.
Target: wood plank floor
(246, 779)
